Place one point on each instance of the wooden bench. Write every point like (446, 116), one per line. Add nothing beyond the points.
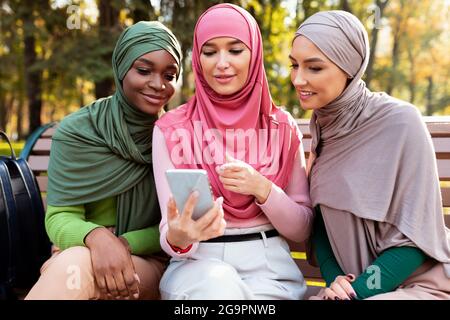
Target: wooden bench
(37, 152)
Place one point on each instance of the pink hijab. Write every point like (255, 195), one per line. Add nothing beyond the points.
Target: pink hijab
(197, 133)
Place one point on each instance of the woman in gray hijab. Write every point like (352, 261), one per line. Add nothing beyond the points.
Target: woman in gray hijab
(379, 229)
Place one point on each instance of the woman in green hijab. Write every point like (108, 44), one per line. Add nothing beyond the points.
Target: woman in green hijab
(102, 208)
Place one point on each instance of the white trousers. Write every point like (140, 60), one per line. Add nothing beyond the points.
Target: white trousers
(247, 270)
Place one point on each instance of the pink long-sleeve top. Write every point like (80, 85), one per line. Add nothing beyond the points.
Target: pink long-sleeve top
(289, 210)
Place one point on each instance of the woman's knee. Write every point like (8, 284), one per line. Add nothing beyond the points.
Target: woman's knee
(66, 275)
(74, 260)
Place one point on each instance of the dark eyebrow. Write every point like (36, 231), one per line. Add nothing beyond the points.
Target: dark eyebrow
(145, 61)
(173, 67)
(313, 59)
(235, 42)
(231, 43)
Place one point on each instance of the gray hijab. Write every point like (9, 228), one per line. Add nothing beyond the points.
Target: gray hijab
(373, 156)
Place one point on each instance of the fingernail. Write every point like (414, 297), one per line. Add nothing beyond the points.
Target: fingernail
(196, 194)
(136, 295)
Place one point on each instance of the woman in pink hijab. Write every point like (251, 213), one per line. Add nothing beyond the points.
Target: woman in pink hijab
(252, 152)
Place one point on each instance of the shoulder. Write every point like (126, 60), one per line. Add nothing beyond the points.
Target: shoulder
(72, 122)
(396, 108)
(405, 113)
(393, 111)
(158, 135)
(173, 117)
(284, 118)
(82, 122)
(401, 118)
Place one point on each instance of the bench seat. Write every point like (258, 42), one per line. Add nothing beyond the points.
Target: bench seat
(38, 153)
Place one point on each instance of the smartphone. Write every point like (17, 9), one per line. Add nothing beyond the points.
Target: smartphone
(183, 182)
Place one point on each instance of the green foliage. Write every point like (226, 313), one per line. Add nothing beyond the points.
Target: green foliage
(71, 61)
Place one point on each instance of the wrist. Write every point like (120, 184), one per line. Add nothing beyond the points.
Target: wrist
(91, 237)
(177, 243)
(178, 249)
(125, 242)
(263, 191)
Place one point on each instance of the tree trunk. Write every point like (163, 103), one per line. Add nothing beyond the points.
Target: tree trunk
(21, 108)
(19, 125)
(345, 6)
(108, 20)
(374, 39)
(393, 77)
(412, 76)
(81, 96)
(179, 23)
(395, 56)
(103, 88)
(143, 11)
(2, 104)
(184, 18)
(308, 9)
(6, 108)
(2, 112)
(33, 78)
(429, 106)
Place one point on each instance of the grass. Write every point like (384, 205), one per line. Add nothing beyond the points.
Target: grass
(6, 151)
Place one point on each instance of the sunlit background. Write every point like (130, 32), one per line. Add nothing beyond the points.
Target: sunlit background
(55, 56)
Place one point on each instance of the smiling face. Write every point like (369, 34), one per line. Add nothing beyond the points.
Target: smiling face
(150, 82)
(225, 64)
(317, 80)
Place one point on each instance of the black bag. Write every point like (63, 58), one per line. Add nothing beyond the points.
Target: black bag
(24, 244)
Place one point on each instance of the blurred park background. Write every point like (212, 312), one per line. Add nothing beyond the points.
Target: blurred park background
(55, 55)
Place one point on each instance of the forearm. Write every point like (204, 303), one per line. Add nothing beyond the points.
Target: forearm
(67, 227)
(280, 208)
(292, 204)
(388, 271)
(329, 267)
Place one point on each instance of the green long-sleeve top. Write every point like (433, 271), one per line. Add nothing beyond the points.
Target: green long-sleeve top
(395, 264)
(68, 226)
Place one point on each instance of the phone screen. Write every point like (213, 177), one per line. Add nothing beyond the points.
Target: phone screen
(183, 182)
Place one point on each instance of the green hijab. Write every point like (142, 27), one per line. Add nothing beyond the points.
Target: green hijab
(105, 148)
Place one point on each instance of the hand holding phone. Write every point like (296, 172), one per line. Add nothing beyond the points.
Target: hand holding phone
(183, 182)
